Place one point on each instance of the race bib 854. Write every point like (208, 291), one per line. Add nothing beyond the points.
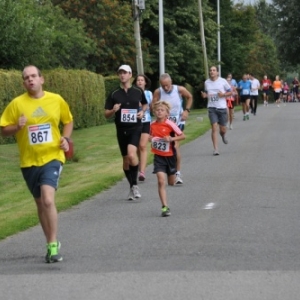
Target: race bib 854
(128, 115)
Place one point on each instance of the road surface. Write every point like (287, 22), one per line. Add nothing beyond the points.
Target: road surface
(233, 232)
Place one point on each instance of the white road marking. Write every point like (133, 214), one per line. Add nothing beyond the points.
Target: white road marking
(210, 205)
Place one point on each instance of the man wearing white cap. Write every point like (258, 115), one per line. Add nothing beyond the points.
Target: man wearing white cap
(123, 104)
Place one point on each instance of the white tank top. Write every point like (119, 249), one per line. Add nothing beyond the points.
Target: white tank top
(175, 100)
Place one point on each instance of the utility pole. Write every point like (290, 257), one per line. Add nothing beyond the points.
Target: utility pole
(205, 63)
(161, 38)
(138, 5)
(219, 36)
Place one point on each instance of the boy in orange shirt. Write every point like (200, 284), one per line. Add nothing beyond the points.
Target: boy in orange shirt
(163, 134)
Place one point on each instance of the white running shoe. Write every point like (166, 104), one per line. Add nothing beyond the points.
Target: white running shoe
(136, 191)
(216, 152)
(225, 141)
(178, 180)
(130, 195)
(230, 127)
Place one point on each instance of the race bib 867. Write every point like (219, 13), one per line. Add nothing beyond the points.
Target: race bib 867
(39, 134)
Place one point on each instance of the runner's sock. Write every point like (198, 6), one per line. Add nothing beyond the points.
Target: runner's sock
(128, 176)
(134, 173)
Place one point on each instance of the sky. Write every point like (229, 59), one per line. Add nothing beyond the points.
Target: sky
(249, 1)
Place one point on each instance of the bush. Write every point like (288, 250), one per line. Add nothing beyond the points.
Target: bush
(84, 91)
(10, 87)
(111, 83)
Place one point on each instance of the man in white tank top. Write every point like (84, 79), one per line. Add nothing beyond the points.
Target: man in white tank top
(174, 94)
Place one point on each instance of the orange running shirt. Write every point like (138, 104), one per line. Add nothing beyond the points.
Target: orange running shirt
(158, 130)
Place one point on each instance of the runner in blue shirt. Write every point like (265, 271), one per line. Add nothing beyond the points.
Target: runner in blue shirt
(245, 88)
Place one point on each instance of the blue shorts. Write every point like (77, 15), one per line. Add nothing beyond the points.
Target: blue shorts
(47, 174)
(181, 126)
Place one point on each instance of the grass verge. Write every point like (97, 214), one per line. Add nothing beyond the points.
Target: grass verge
(96, 167)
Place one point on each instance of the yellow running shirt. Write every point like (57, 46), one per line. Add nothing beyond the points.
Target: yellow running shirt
(39, 139)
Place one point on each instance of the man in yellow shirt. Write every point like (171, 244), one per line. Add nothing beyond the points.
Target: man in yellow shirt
(34, 118)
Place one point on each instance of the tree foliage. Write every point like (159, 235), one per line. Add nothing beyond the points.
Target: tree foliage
(183, 51)
(245, 44)
(99, 35)
(110, 24)
(34, 32)
(287, 29)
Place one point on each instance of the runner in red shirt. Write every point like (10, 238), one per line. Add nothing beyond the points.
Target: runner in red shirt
(265, 87)
(163, 134)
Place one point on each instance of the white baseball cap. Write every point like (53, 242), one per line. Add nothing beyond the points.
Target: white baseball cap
(125, 68)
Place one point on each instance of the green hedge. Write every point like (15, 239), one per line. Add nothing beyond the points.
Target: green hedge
(111, 83)
(11, 86)
(83, 90)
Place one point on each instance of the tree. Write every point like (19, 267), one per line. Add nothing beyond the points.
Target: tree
(109, 23)
(48, 42)
(266, 17)
(245, 47)
(183, 57)
(287, 29)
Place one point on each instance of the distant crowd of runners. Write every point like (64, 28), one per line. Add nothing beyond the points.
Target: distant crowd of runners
(282, 90)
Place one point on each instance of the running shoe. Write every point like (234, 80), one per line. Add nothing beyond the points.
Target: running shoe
(136, 191)
(230, 127)
(216, 152)
(165, 211)
(247, 117)
(178, 180)
(130, 195)
(142, 176)
(244, 118)
(53, 255)
(225, 141)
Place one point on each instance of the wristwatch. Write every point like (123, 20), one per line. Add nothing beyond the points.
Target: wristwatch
(187, 109)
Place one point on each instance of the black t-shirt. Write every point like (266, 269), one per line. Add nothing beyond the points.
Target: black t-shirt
(130, 101)
(295, 84)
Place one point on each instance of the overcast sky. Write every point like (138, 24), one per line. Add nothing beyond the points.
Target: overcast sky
(249, 1)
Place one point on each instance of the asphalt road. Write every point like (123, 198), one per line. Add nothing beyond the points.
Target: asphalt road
(233, 232)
